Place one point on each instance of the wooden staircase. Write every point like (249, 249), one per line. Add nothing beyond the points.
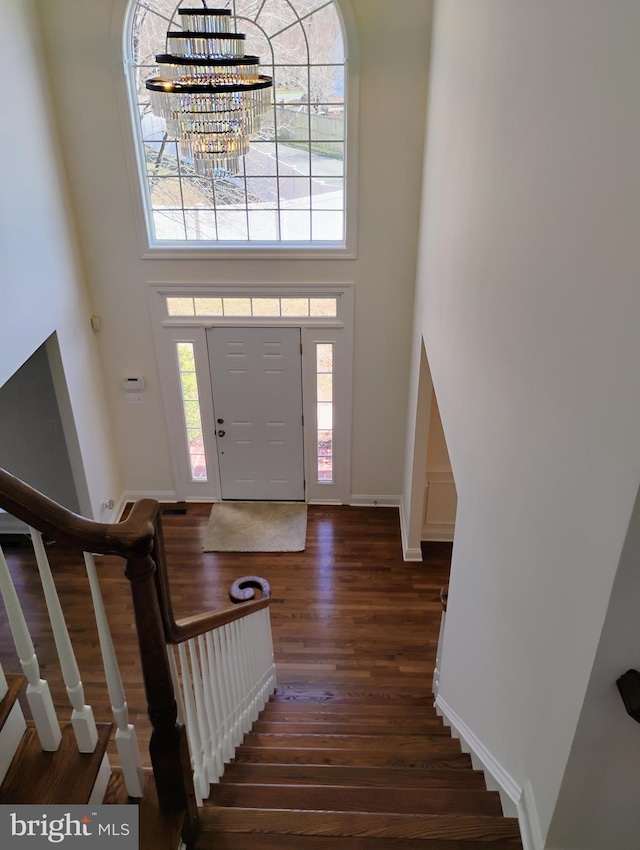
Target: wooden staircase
(67, 777)
(322, 769)
(349, 769)
(363, 767)
(62, 777)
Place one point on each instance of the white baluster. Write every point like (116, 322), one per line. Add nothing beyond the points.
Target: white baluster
(273, 680)
(261, 650)
(245, 674)
(436, 673)
(232, 665)
(4, 687)
(84, 726)
(249, 652)
(215, 768)
(236, 667)
(223, 690)
(38, 694)
(126, 740)
(177, 687)
(258, 652)
(190, 720)
(262, 644)
(218, 713)
(201, 712)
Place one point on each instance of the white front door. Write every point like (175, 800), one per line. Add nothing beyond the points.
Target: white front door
(256, 376)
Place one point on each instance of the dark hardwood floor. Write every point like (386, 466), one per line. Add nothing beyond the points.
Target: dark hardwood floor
(347, 611)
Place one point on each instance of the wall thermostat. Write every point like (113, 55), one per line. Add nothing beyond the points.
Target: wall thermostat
(133, 383)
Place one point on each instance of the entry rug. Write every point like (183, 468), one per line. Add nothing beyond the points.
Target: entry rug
(256, 527)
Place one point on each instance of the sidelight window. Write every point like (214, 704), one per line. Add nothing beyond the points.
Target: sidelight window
(325, 411)
(191, 410)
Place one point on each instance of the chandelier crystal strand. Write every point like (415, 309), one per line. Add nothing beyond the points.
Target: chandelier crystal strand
(212, 95)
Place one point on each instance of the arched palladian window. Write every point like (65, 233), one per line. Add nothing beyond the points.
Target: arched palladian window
(291, 188)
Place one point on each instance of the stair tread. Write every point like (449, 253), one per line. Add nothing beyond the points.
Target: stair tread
(347, 726)
(312, 708)
(357, 799)
(481, 828)
(28, 779)
(388, 777)
(352, 768)
(416, 744)
(15, 683)
(274, 841)
(358, 758)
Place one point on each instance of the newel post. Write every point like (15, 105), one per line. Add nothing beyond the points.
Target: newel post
(168, 747)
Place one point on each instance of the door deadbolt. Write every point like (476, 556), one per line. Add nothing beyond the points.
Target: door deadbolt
(220, 421)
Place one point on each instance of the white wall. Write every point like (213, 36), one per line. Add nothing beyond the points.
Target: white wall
(440, 497)
(32, 441)
(83, 53)
(598, 803)
(41, 284)
(528, 303)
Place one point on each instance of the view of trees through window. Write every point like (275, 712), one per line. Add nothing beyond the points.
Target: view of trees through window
(291, 186)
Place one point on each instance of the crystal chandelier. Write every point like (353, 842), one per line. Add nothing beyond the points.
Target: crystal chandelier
(212, 96)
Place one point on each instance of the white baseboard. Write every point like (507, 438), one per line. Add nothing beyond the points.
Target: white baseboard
(517, 801)
(134, 495)
(329, 502)
(362, 501)
(439, 532)
(409, 553)
(158, 495)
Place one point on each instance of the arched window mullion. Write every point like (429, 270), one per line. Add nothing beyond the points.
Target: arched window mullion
(259, 12)
(295, 222)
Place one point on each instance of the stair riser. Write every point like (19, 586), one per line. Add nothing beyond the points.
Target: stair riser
(357, 799)
(326, 770)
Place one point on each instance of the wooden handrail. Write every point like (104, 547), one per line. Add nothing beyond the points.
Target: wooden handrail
(188, 628)
(132, 537)
(178, 631)
(139, 540)
(134, 540)
(242, 592)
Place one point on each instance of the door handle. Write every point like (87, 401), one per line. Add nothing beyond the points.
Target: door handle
(221, 433)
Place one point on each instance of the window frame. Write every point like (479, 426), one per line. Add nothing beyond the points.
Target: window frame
(151, 248)
(169, 330)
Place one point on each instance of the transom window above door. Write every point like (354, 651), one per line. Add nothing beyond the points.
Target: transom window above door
(291, 191)
(231, 306)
